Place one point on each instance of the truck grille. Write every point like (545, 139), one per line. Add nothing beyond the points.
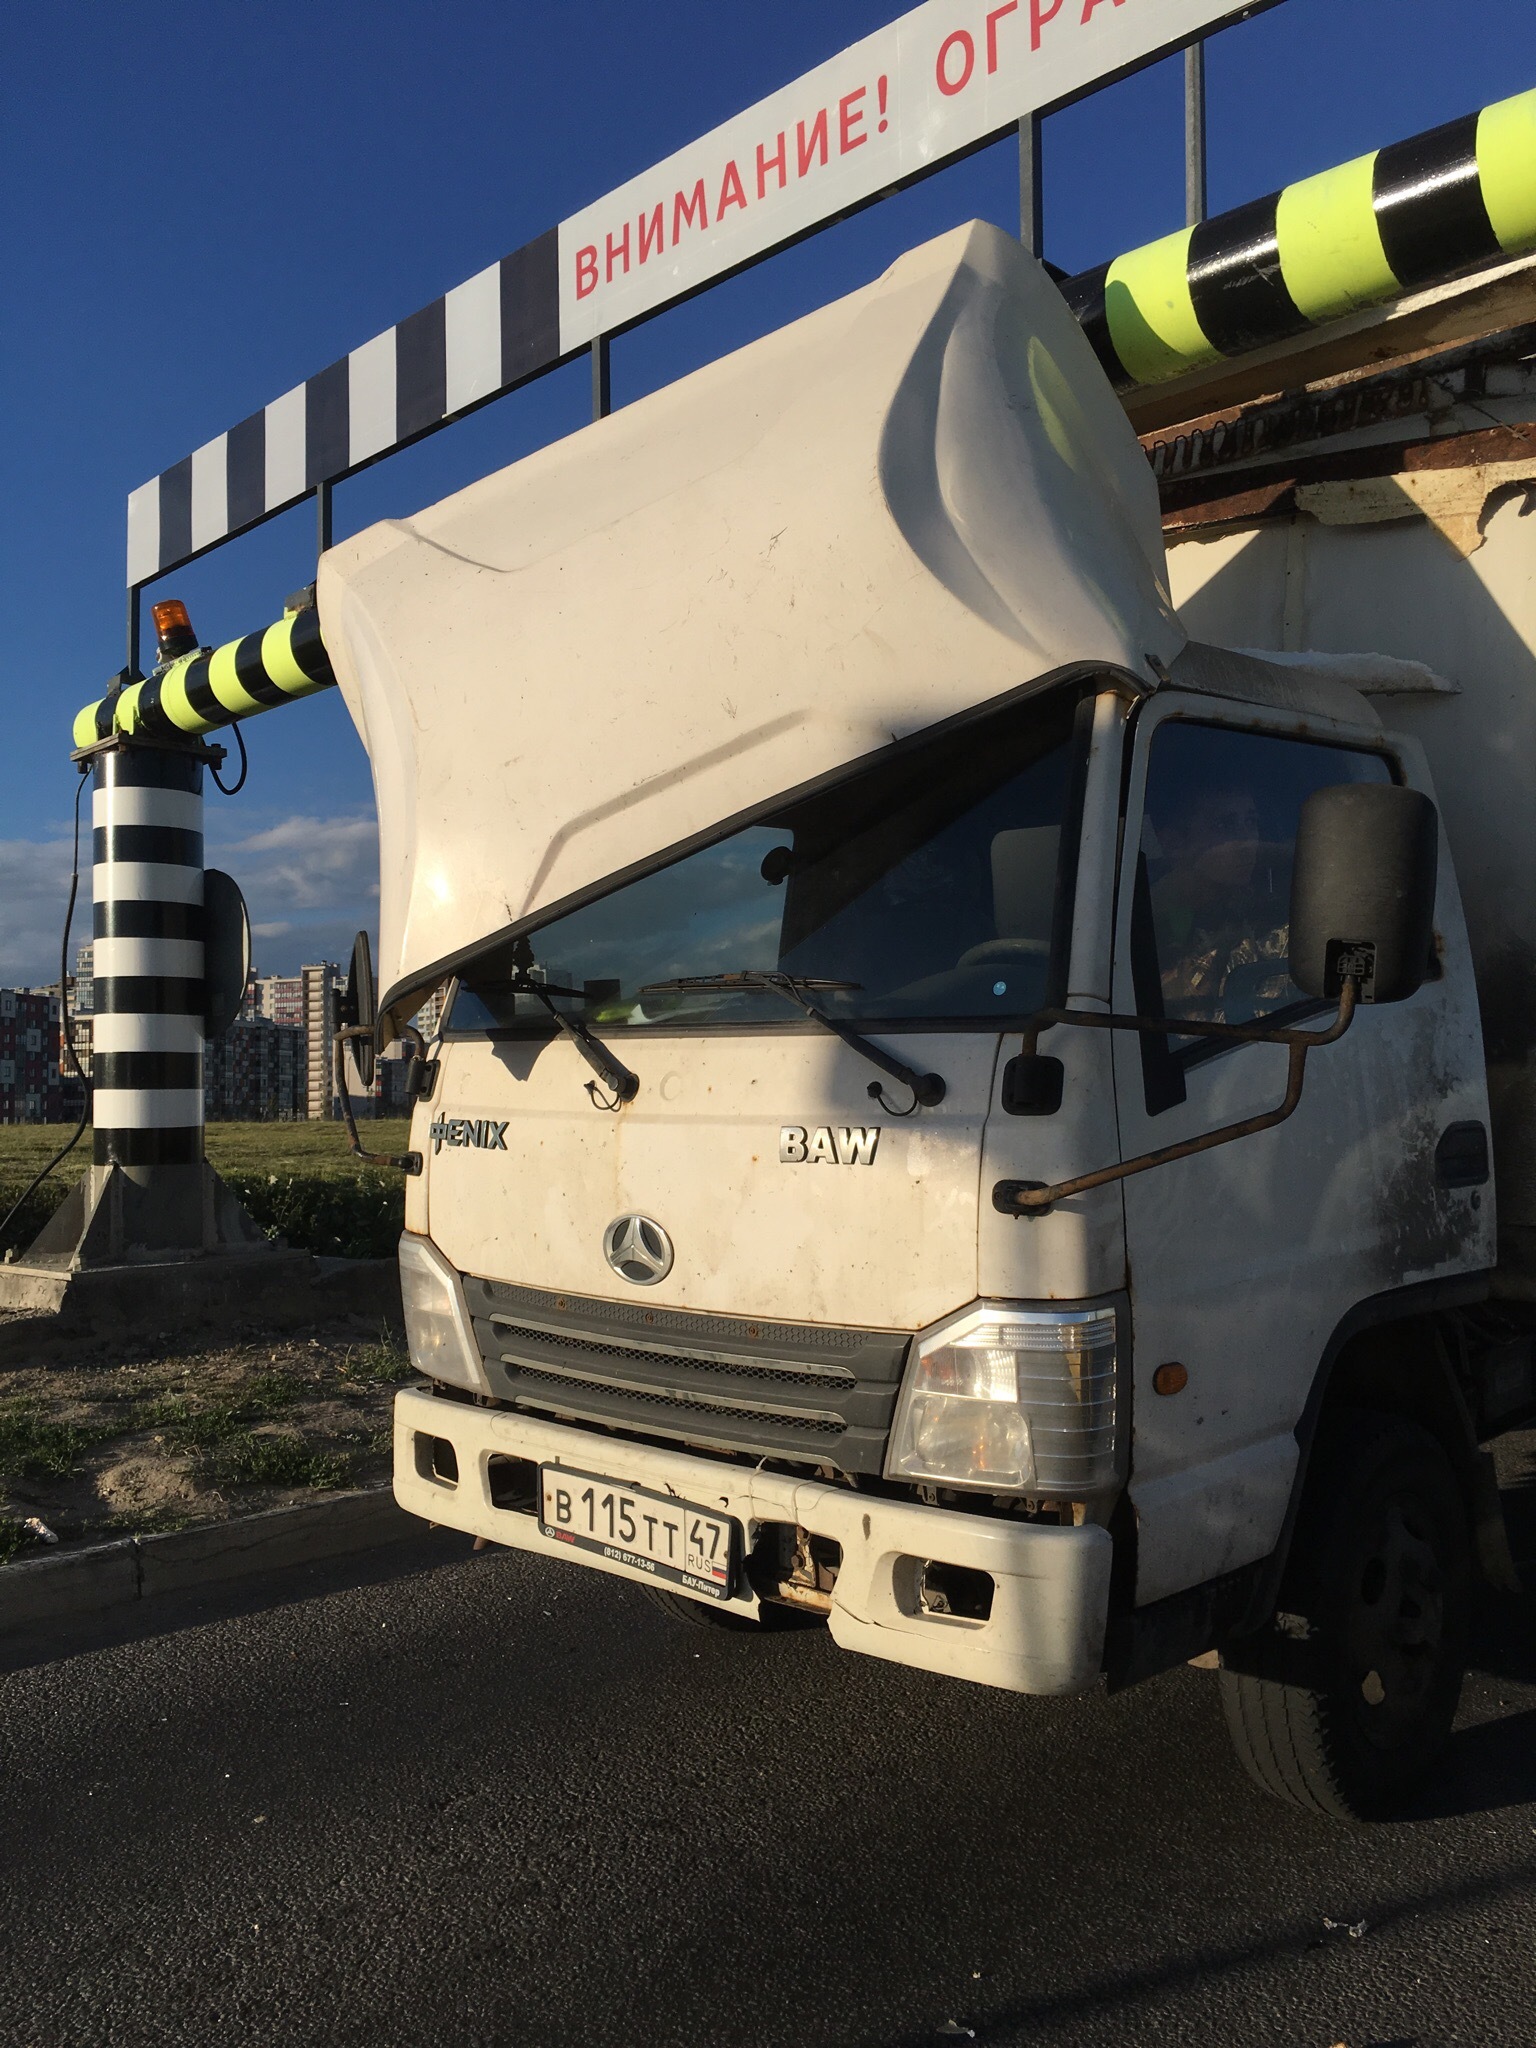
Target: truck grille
(791, 1390)
(512, 1336)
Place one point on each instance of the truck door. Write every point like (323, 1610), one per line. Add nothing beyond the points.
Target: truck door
(1242, 1259)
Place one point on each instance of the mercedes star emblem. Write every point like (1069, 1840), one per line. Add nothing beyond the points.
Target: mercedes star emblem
(638, 1249)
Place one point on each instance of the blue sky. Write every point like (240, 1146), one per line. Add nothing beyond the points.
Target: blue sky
(208, 201)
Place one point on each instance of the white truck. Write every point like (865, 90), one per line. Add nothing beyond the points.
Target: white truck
(961, 1108)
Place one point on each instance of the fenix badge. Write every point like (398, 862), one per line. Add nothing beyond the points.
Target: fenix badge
(480, 1132)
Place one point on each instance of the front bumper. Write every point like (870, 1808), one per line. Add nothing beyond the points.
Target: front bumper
(1045, 1633)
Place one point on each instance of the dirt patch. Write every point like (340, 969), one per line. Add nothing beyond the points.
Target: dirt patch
(127, 1439)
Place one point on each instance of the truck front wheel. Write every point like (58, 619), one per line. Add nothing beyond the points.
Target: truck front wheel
(1348, 1696)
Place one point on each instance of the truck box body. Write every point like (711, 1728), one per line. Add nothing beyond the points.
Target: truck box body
(852, 658)
(1402, 587)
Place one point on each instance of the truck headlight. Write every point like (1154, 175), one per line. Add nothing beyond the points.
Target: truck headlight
(438, 1328)
(1015, 1400)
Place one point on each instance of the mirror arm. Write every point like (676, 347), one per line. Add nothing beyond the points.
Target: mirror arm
(408, 1162)
(1032, 1198)
(1190, 1027)
(420, 1072)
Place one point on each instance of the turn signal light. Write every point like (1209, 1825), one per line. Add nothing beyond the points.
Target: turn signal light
(174, 636)
(437, 1321)
(1014, 1399)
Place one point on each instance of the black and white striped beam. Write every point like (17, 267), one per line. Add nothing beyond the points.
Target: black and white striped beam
(476, 342)
(147, 919)
(1412, 215)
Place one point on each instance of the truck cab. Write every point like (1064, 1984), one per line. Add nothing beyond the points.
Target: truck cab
(891, 1154)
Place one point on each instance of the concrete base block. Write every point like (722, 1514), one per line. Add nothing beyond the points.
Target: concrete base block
(272, 1288)
(115, 1213)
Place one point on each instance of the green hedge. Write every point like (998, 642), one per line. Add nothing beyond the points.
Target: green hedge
(37, 1208)
(358, 1216)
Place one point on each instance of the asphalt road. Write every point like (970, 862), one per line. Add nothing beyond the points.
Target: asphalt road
(461, 1800)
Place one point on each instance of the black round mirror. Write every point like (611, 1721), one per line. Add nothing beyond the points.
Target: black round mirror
(226, 952)
(359, 1007)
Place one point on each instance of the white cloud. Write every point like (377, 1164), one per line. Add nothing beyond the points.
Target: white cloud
(34, 888)
(300, 863)
(308, 883)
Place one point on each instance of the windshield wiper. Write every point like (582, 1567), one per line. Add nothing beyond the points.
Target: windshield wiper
(624, 1084)
(927, 1089)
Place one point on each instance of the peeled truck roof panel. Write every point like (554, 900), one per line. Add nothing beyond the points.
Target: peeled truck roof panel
(908, 504)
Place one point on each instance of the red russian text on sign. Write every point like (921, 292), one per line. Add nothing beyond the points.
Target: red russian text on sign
(807, 146)
(996, 15)
(766, 163)
(944, 72)
(946, 76)
(850, 120)
(1039, 16)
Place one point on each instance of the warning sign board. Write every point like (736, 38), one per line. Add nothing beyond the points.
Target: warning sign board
(912, 96)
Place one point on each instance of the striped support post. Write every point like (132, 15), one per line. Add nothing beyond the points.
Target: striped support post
(1418, 213)
(147, 890)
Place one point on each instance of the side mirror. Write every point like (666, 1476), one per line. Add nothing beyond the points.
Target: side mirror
(226, 951)
(359, 1008)
(1363, 891)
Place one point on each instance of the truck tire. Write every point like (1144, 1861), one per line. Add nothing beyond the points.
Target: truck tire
(699, 1614)
(1348, 1696)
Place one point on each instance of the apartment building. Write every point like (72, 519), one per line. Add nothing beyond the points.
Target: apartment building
(274, 1062)
(82, 994)
(255, 1073)
(30, 1091)
(430, 1016)
(305, 1002)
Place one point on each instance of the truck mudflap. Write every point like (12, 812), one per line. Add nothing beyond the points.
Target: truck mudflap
(476, 1469)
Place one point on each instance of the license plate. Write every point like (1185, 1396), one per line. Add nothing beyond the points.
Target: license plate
(668, 1538)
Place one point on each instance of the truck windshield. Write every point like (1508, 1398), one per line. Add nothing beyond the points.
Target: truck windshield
(924, 886)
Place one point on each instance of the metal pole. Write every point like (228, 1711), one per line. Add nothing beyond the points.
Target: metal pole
(602, 390)
(322, 516)
(133, 629)
(1194, 135)
(147, 923)
(1031, 194)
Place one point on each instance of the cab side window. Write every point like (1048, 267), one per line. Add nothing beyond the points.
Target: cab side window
(1211, 919)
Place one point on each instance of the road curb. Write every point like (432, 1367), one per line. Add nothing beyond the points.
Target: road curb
(110, 1575)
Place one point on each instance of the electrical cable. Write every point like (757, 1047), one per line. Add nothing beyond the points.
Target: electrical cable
(68, 1036)
(233, 788)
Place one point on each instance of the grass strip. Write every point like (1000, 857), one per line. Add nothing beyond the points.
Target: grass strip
(31, 1447)
(284, 1459)
(384, 1363)
(298, 1181)
(14, 1537)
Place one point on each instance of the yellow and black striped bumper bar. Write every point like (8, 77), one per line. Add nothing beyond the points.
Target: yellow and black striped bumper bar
(1418, 213)
(212, 688)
